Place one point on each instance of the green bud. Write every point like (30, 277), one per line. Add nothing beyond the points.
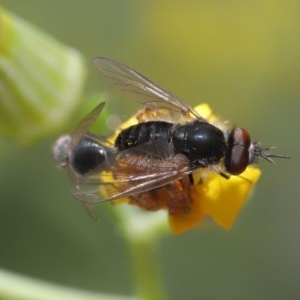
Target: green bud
(40, 80)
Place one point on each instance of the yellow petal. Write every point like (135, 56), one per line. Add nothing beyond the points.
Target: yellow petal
(185, 221)
(204, 110)
(225, 197)
(218, 198)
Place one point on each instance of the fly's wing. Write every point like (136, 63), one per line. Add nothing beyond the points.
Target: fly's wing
(86, 123)
(133, 171)
(121, 187)
(162, 104)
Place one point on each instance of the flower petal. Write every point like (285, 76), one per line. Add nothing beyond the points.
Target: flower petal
(225, 197)
(218, 198)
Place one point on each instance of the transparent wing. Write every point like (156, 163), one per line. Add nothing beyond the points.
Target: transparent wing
(132, 172)
(166, 105)
(86, 123)
(124, 186)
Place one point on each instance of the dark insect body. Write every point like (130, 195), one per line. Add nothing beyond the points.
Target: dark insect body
(153, 162)
(201, 142)
(89, 155)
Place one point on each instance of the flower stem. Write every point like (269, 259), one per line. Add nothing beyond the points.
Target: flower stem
(17, 287)
(141, 231)
(148, 279)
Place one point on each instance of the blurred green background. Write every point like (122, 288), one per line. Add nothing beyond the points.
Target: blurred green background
(243, 58)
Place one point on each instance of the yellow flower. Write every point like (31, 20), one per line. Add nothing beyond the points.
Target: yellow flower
(218, 198)
(214, 196)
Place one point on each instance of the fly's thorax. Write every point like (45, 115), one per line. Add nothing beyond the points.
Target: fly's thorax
(201, 142)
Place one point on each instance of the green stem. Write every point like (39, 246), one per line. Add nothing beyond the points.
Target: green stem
(142, 230)
(17, 287)
(148, 279)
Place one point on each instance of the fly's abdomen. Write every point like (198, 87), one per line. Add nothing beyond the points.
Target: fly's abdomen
(89, 155)
(143, 133)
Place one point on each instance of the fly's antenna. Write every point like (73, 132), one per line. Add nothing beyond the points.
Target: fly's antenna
(269, 156)
(256, 151)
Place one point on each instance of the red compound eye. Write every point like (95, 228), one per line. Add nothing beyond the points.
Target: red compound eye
(237, 156)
